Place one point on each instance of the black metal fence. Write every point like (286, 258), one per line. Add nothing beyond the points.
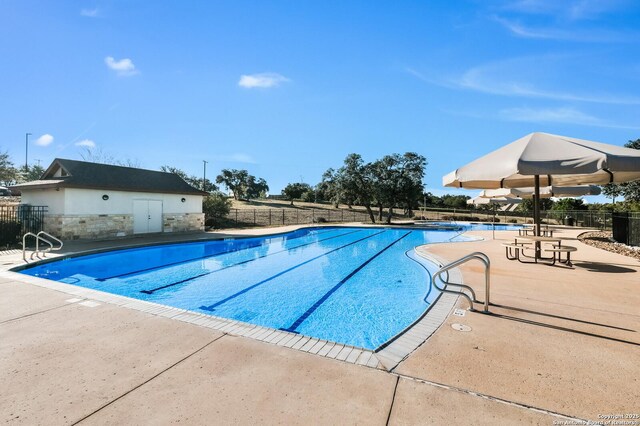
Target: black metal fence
(583, 218)
(626, 228)
(299, 216)
(16, 220)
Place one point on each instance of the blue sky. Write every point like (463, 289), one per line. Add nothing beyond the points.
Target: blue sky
(287, 89)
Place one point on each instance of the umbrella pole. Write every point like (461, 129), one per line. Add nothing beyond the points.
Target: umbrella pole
(493, 224)
(536, 213)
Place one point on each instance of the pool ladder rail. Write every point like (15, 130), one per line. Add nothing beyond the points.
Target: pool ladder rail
(471, 297)
(39, 237)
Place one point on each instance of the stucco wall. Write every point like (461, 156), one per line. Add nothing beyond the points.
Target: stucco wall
(89, 201)
(51, 198)
(72, 201)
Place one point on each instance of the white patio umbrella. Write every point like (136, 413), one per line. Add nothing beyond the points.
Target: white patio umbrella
(544, 159)
(480, 200)
(545, 191)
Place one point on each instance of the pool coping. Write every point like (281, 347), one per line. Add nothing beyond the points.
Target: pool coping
(386, 357)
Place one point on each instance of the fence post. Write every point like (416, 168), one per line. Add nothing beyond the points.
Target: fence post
(313, 215)
(297, 217)
(236, 217)
(283, 216)
(254, 217)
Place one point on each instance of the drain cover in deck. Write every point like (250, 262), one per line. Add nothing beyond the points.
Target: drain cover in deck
(460, 327)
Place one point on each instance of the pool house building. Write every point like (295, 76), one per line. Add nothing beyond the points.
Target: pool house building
(87, 200)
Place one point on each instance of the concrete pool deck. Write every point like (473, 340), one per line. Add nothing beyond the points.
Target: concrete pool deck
(563, 341)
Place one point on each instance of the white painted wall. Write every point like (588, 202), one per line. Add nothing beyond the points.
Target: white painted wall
(89, 201)
(72, 201)
(45, 197)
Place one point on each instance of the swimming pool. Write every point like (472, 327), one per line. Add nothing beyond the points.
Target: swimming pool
(357, 286)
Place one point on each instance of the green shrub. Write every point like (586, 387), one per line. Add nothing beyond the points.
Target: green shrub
(215, 208)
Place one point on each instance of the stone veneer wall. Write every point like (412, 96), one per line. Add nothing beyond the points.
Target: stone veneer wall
(74, 227)
(183, 222)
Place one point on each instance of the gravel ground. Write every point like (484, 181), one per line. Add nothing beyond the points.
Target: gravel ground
(603, 240)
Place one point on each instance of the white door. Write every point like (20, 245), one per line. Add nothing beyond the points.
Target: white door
(155, 216)
(147, 216)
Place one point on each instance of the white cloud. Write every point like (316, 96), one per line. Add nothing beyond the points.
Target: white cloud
(86, 143)
(530, 77)
(90, 13)
(44, 140)
(264, 80)
(123, 67)
(591, 36)
(557, 115)
(513, 78)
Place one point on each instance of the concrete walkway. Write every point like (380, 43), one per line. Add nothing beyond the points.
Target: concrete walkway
(563, 343)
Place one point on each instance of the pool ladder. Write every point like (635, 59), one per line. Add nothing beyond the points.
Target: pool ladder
(39, 237)
(471, 297)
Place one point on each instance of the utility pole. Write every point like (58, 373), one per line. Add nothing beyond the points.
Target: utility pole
(26, 151)
(204, 175)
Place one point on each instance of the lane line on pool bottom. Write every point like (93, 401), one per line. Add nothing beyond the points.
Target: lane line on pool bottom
(201, 257)
(312, 309)
(211, 308)
(245, 262)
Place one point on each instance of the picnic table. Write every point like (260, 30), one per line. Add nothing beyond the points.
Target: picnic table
(515, 250)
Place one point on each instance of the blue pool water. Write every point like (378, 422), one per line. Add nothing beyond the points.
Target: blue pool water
(357, 286)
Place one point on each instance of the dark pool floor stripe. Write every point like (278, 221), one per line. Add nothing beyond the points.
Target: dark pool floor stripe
(251, 287)
(312, 309)
(245, 262)
(258, 244)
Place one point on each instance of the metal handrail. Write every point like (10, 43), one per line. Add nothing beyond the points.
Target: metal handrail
(48, 235)
(472, 299)
(24, 244)
(38, 239)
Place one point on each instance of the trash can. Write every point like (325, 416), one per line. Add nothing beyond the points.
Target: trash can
(569, 221)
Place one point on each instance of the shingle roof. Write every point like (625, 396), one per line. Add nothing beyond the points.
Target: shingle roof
(82, 174)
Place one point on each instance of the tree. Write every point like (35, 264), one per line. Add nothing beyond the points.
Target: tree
(8, 173)
(393, 181)
(398, 181)
(455, 201)
(97, 155)
(215, 207)
(527, 204)
(329, 187)
(564, 204)
(243, 185)
(612, 190)
(256, 188)
(192, 180)
(357, 181)
(31, 173)
(296, 190)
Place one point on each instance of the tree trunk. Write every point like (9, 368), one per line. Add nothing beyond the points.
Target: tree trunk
(380, 208)
(371, 215)
(390, 214)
